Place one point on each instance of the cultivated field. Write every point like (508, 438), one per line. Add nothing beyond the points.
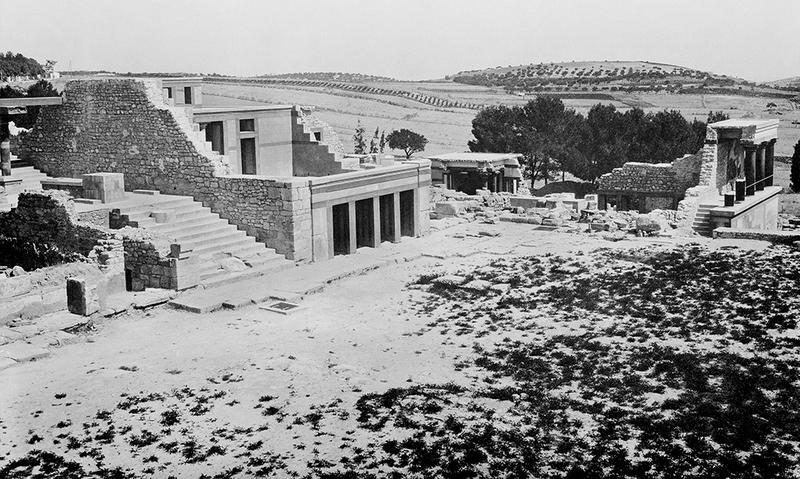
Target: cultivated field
(449, 129)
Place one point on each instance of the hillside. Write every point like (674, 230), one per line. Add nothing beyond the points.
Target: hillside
(605, 75)
(792, 83)
(330, 76)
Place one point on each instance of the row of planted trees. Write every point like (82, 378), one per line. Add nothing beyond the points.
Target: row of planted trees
(554, 139)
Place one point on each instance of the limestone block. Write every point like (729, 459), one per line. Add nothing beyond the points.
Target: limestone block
(78, 297)
(552, 221)
(524, 201)
(449, 208)
(106, 187)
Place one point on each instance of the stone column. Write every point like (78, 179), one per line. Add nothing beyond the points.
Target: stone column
(396, 205)
(750, 169)
(769, 163)
(376, 221)
(351, 222)
(760, 167)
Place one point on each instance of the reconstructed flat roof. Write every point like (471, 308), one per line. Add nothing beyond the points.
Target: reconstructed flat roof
(237, 109)
(743, 123)
(470, 156)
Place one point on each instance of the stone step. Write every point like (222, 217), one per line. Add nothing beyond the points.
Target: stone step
(225, 245)
(223, 277)
(187, 224)
(253, 257)
(209, 239)
(191, 233)
(169, 205)
(185, 214)
(158, 205)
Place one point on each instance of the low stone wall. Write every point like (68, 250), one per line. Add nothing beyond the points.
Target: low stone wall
(72, 186)
(780, 237)
(152, 262)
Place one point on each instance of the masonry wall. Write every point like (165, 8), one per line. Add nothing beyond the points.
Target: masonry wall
(124, 126)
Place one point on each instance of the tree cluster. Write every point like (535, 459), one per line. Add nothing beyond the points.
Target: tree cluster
(17, 64)
(377, 144)
(553, 138)
(38, 89)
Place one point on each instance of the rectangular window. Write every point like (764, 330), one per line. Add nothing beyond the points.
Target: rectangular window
(248, 156)
(187, 95)
(247, 125)
(169, 92)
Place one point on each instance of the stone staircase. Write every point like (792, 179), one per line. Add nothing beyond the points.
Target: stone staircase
(225, 252)
(31, 178)
(702, 224)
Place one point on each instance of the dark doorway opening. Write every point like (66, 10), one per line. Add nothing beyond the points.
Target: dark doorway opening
(214, 135)
(365, 225)
(128, 280)
(387, 217)
(341, 229)
(407, 213)
(187, 95)
(248, 156)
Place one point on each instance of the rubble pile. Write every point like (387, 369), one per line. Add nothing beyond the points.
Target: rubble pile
(561, 211)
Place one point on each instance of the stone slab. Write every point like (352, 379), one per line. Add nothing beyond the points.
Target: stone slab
(9, 335)
(21, 352)
(151, 297)
(7, 363)
(28, 330)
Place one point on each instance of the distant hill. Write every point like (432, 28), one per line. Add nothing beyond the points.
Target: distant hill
(792, 83)
(600, 75)
(330, 76)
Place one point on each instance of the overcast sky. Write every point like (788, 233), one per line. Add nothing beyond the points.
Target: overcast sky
(405, 39)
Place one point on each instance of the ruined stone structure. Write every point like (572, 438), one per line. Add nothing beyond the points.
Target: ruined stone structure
(727, 184)
(468, 172)
(127, 126)
(647, 186)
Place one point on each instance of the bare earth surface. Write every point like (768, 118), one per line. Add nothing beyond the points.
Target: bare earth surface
(379, 375)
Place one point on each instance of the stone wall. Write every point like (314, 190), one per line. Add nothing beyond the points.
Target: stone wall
(276, 211)
(147, 261)
(668, 178)
(121, 126)
(124, 126)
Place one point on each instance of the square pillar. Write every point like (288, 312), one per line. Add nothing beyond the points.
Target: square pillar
(351, 214)
(760, 160)
(769, 163)
(415, 214)
(739, 190)
(376, 221)
(396, 204)
(750, 170)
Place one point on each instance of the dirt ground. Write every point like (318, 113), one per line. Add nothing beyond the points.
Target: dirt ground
(247, 392)
(359, 335)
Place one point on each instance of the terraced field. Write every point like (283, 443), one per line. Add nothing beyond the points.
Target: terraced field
(448, 128)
